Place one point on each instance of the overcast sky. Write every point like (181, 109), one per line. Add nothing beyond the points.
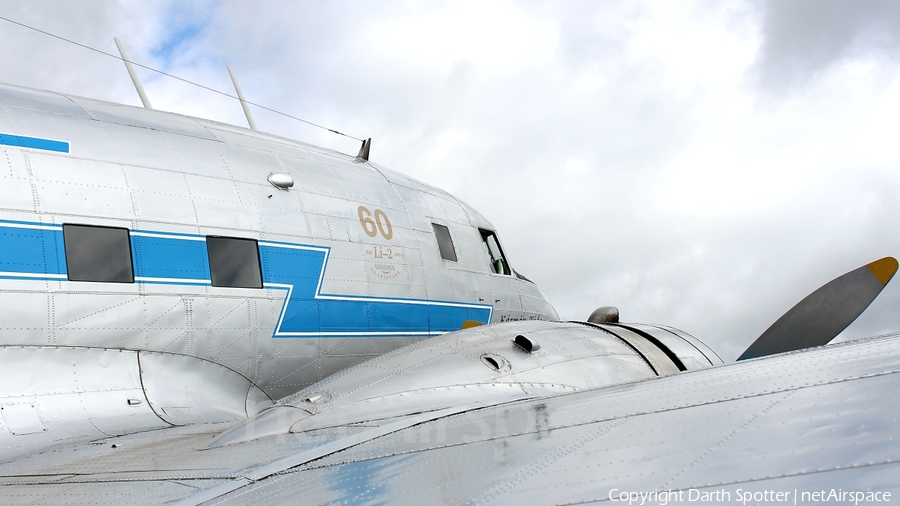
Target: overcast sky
(701, 164)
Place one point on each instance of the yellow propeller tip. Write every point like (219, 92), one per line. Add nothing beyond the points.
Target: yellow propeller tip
(883, 269)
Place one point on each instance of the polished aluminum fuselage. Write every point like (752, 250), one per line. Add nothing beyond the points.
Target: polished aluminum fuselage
(349, 263)
(167, 176)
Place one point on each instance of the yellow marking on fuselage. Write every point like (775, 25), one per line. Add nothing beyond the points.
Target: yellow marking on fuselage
(468, 324)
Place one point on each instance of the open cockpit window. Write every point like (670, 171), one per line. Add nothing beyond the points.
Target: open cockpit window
(498, 262)
(234, 262)
(445, 242)
(101, 254)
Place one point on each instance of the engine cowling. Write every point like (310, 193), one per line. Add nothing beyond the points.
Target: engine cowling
(490, 365)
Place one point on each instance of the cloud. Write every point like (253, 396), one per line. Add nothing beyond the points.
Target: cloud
(700, 165)
(803, 38)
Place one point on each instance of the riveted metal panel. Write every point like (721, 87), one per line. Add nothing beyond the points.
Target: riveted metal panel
(704, 348)
(231, 134)
(77, 172)
(318, 226)
(308, 176)
(145, 119)
(219, 204)
(505, 292)
(690, 356)
(536, 306)
(445, 208)
(417, 210)
(655, 356)
(21, 418)
(86, 138)
(70, 393)
(329, 206)
(39, 100)
(256, 163)
(428, 376)
(15, 184)
(62, 187)
(98, 319)
(280, 212)
(184, 390)
(471, 250)
(160, 195)
(196, 156)
(400, 179)
(32, 310)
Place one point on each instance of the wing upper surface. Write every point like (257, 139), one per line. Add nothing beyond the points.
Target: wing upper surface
(808, 420)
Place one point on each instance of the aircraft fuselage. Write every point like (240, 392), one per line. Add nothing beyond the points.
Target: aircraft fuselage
(130, 229)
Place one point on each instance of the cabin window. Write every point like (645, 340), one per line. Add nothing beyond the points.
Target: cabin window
(445, 242)
(234, 262)
(101, 254)
(498, 262)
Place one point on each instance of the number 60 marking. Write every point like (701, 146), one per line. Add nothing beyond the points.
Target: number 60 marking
(381, 223)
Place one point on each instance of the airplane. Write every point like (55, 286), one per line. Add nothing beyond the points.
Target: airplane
(198, 313)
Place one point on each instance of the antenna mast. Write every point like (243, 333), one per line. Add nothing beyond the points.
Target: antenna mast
(240, 95)
(134, 77)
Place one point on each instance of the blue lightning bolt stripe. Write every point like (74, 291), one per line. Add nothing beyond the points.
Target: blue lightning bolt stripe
(307, 312)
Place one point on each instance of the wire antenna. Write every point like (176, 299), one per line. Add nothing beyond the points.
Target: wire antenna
(85, 46)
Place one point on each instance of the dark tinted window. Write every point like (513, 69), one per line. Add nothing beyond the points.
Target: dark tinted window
(234, 262)
(98, 254)
(445, 242)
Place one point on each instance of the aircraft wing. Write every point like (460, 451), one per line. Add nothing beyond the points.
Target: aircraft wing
(816, 421)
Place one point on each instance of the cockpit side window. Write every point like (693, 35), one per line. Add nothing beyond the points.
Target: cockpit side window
(445, 242)
(498, 262)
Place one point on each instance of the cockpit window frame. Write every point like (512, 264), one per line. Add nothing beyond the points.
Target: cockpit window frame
(497, 259)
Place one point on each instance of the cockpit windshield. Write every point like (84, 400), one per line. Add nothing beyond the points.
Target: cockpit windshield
(498, 261)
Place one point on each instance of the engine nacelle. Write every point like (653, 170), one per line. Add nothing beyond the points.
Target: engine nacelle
(490, 364)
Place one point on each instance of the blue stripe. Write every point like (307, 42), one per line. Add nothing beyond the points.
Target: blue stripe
(34, 143)
(156, 257)
(306, 312)
(31, 251)
(182, 259)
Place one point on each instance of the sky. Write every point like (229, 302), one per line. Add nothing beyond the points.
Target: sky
(698, 164)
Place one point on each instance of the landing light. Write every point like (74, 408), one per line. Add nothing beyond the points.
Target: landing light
(281, 180)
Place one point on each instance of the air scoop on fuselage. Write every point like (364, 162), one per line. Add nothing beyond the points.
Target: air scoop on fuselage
(487, 365)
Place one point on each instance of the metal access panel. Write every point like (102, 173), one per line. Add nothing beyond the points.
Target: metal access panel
(22, 419)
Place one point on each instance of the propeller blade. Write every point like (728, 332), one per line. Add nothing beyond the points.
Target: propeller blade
(823, 314)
